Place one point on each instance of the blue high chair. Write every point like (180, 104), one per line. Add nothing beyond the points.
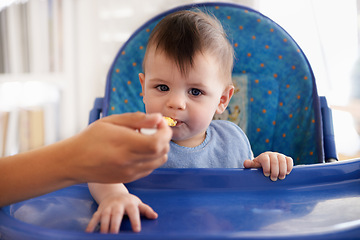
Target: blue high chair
(275, 101)
(276, 104)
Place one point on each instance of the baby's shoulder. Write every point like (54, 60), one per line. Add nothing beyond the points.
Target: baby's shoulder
(226, 127)
(225, 124)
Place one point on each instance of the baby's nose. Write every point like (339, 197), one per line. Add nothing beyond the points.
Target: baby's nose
(176, 101)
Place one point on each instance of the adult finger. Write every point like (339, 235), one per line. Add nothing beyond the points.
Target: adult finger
(164, 132)
(147, 160)
(136, 170)
(153, 146)
(159, 141)
(134, 120)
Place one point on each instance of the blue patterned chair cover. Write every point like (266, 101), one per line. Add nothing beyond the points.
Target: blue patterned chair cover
(275, 100)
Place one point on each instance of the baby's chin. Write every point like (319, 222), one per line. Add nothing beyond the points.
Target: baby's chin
(178, 137)
(187, 140)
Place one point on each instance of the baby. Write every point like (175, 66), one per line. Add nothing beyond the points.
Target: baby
(187, 77)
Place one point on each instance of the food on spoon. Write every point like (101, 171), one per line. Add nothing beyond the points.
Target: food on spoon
(171, 122)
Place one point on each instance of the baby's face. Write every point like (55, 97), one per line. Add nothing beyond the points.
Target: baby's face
(191, 101)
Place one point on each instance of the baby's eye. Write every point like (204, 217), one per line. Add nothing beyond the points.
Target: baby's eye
(195, 92)
(162, 88)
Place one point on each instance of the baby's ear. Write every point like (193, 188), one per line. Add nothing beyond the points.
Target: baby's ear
(142, 82)
(225, 99)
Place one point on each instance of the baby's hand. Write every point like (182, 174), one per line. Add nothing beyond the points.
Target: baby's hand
(112, 209)
(275, 165)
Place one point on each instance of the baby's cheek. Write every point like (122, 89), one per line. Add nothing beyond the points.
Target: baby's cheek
(202, 118)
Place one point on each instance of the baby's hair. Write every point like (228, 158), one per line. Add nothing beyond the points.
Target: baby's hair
(183, 34)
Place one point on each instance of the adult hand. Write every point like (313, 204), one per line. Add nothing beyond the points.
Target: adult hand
(111, 150)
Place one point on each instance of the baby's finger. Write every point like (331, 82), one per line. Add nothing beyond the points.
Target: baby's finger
(274, 165)
(265, 162)
(282, 166)
(290, 164)
(116, 220)
(105, 222)
(93, 223)
(147, 211)
(134, 216)
(251, 164)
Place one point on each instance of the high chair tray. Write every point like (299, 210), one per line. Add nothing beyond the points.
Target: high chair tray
(319, 201)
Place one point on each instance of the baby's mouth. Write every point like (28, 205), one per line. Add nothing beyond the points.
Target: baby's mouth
(178, 123)
(171, 121)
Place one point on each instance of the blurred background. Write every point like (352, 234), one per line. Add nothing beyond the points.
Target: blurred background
(55, 54)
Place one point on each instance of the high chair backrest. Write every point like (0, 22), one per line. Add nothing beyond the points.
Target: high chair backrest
(275, 101)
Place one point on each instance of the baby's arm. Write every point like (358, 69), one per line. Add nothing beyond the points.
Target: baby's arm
(114, 202)
(275, 165)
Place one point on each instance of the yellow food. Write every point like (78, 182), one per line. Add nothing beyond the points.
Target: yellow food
(171, 122)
